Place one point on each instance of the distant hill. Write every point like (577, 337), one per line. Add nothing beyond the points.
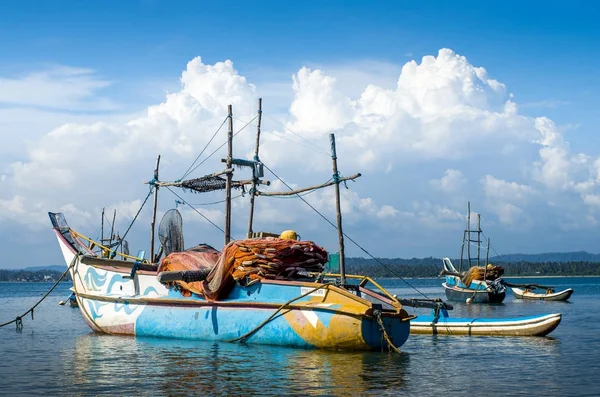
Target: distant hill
(56, 268)
(577, 256)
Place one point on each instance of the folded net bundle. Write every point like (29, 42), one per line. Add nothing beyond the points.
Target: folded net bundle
(200, 257)
(254, 259)
(490, 272)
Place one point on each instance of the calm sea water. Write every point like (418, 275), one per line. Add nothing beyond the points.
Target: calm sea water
(57, 355)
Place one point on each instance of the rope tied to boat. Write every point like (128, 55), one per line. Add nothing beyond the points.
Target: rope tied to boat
(384, 333)
(282, 307)
(19, 319)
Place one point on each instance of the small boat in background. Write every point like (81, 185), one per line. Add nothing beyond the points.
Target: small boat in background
(478, 284)
(540, 325)
(549, 295)
(471, 286)
(72, 299)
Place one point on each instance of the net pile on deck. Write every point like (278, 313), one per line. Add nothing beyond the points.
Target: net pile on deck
(489, 272)
(248, 259)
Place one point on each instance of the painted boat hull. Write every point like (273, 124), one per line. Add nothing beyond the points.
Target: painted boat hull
(329, 318)
(456, 293)
(556, 296)
(521, 326)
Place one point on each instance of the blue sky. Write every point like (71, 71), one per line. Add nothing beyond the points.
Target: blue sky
(89, 62)
(543, 50)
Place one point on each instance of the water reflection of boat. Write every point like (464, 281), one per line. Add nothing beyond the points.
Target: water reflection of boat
(202, 368)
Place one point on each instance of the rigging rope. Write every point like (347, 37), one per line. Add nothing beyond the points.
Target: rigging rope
(19, 319)
(350, 238)
(315, 146)
(281, 136)
(219, 148)
(497, 254)
(187, 172)
(113, 254)
(199, 213)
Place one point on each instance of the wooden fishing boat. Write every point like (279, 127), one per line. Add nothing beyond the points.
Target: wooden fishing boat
(477, 291)
(478, 284)
(540, 325)
(227, 298)
(301, 313)
(548, 295)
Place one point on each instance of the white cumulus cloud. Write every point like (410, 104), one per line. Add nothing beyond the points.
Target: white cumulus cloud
(418, 143)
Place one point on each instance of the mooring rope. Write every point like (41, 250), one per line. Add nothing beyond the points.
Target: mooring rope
(19, 319)
(194, 208)
(282, 307)
(384, 333)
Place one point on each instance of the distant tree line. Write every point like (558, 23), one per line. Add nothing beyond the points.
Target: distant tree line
(392, 267)
(31, 276)
(431, 267)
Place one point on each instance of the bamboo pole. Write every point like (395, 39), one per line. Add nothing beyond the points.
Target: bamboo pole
(478, 238)
(152, 224)
(306, 189)
(487, 257)
(254, 173)
(469, 232)
(336, 178)
(462, 250)
(102, 227)
(112, 226)
(229, 175)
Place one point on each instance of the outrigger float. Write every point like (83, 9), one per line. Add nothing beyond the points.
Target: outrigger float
(264, 290)
(438, 323)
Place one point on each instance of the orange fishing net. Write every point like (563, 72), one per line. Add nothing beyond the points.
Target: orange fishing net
(196, 258)
(252, 258)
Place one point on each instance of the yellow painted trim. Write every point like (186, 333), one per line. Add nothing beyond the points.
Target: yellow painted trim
(397, 304)
(77, 234)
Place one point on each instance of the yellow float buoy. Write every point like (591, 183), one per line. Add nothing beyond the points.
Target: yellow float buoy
(289, 235)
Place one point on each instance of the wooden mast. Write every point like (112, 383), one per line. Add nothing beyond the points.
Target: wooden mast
(155, 179)
(469, 232)
(336, 179)
(487, 258)
(102, 228)
(112, 226)
(478, 238)
(254, 170)
(229, 176)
